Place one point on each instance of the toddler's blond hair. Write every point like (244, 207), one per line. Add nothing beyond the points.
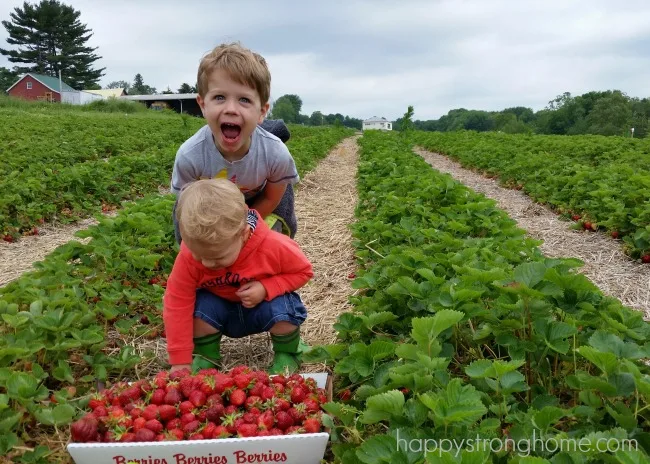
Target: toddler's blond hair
(211, 212)
(243, 66)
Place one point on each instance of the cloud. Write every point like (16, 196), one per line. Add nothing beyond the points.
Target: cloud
(376, 57)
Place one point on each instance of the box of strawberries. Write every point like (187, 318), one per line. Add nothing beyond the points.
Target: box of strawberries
(242, 416)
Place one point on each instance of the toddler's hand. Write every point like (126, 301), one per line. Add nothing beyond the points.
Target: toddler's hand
(177, 367)
(251, 294)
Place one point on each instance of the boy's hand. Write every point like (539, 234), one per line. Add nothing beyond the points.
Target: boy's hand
(251, 294)
(177, 367)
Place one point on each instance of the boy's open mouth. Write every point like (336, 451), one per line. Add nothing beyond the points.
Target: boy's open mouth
(230, 131)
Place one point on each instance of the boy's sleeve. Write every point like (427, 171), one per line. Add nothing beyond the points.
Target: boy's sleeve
(183, 173)
(178, 311)
(295, 271)
(282, 166)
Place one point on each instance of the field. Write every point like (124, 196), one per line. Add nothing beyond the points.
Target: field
(458, 326)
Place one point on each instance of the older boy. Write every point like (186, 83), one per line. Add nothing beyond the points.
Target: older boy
(246, 276)
(234, 87)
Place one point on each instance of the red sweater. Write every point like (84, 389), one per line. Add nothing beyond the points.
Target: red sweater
(273, 259)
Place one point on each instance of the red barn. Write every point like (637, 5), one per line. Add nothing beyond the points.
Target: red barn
(34, 86)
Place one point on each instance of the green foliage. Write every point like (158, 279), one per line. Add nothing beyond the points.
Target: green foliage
(604, 180)
(461, 329)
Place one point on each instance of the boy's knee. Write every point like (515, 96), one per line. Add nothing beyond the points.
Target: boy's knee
(202, 328)
(282, 328)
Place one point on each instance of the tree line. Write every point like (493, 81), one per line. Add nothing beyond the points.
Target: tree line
(610, 112)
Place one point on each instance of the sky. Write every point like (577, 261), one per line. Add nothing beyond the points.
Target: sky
(367, 58)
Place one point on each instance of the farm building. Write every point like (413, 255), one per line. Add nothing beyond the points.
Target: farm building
(109, 93)
(179, 102)
(34, 86)
(377, 123)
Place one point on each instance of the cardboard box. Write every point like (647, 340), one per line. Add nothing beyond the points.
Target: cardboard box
(308, 448)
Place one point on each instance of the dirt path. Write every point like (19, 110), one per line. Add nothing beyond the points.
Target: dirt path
(606, 265)
(325, 203)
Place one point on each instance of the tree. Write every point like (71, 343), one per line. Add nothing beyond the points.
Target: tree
(283, 109)
(295, 101)
(140, 88)
(316, 119)
(186, 88)
(120, 85)
(7, 79)
(406, 121)
(167, 91)
(49, 37)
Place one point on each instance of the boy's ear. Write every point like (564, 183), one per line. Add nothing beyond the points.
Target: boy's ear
(265, 110)
(201, 103)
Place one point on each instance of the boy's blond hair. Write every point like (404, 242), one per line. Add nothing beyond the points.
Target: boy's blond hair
(243, 66)
(211, 212)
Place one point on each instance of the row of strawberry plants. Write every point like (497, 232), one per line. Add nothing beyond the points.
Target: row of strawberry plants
(54, 342)
(604, 181)
(465, 334)
(33, 140)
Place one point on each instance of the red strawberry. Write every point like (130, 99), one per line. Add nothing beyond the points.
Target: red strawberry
(297, 395)
(174, 424)
(198, 398)
(615, 234)
(174, 435)
(84, 430)
(160, 381)
(257, 389)
(196, 436)
(243, 381)
(311, 425)
(352, 275)
(575, 217)
(247, 430)
(150, 412)
(238, 397)
(167, 412)
(191, 427)
(263, 433)
(587, 225)
(280, 379)
(241, 369)
(139, 423)
(283, 420)
(266, 420)
(294, 430)
(145, 435)
(312, 406)
(214, 399)
(267, 393)
(173, 396)
(221, 432)
(187, 385)
(128, 437)
(250, 418)
(223, 383)
(100, 411)
(96, 401)
(275, 432)
(179, 374)
(253, 402)
(208, 430)
(8, 238)
(215, 412)
(187, 418)
(154, 425)
(185, 407)
(645, 259)
(345, 395)
(208, 385)
(158, 396)
(298, 412)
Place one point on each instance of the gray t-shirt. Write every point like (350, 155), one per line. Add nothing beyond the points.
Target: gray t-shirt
(267, 160)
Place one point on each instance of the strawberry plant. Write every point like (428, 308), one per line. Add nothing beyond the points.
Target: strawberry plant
(605, 178)
(463, 329)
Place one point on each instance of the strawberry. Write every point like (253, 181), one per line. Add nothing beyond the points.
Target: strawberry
(575, 217)
(265, 421)
(223, 383)
(247, 430)
(253, 402)
(615, 234)
(263, 433)
(139, 423)
(96, 401)
(198, 398)
(298, 412)
(279, 379)
(311, 425)
(241, 369)
(160, 381)
(238, 397)
(130, 395)
(84, 430)
(179, 374)
(167, 412)
(187, 418)
(275, 432)
(208, 385)
(202, 416)
(191, 427)
(297, 395)
(196, 436)
(587, 225)
(215, 412)
(345, 395)
(158, 396)
(214, 399)
(174, 424)
(150, 412)
(100, 411)
(243, 381)
(257, 389)
(220, 432)
(145, 435)
(154, 425)
(174, 435)
(294, 429)
(187, 386)
(185, 407)
(173, 396)
(283, 420)
(128, 437)
(250, 418)
(267, 393)
(208, 430)
(645, 259)
(312, 405)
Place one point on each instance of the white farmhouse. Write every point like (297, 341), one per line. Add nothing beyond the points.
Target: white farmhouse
(377, 123)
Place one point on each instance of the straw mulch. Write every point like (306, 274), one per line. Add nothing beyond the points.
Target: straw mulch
(606, 265)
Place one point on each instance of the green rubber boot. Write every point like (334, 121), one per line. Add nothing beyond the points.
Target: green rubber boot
(288, 350)
(207, 352)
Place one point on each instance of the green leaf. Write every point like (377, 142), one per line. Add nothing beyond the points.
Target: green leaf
(547, 417)
(377, 449)
(458, 404)
(530, 274)
(426, 329)
(606, 362)
(8, 421)
(480, 369)
(7, 443)
(383, 407)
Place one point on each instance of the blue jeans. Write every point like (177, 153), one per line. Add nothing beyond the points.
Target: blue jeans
(235, 321)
